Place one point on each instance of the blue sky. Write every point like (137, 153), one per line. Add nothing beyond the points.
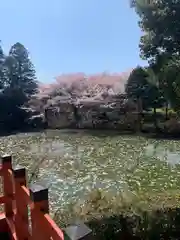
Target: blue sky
(66, 36)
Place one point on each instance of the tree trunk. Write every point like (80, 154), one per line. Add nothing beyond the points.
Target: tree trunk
(139, 101)
(155, 118)
(166, 110)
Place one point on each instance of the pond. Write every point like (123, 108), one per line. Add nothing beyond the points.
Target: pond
(71, 164)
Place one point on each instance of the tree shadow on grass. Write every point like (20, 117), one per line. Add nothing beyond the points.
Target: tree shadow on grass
(161, 224)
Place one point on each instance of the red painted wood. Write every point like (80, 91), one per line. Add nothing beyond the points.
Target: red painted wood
(8, 189)
(15, 215)
(3, 223)
(2, 199)
(1, 170)
(21, 216)
(56, 232)
(11, 226)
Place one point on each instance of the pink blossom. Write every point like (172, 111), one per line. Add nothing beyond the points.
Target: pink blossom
(82, 84)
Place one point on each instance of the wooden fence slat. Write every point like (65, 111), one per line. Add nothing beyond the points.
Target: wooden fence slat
(7, 184)
(1, 170)
(26, 195)
(21, 228)
(56, 232)
(39, 196)
(46, 224)
(2, 199)
(21, 216)
(16, 199)
(11, 226)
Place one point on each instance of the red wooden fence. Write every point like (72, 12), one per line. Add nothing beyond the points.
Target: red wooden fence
(16, 199)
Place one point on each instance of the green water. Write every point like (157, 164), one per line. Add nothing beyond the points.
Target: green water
(71, 164)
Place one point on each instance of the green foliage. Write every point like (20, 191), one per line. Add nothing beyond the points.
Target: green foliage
(142, 83)
(170, 81)
(160, 43)
(22, 70)
(136, 83)
(1, 68)
(159, 20)
(17, 83)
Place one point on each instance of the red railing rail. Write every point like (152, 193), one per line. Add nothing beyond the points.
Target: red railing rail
(17, 198)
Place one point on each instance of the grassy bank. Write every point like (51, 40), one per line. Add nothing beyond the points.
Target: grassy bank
(121, 216)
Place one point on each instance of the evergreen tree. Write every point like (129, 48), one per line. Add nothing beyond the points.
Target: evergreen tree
(1, 68)
(137, 82)
(19, 84)
(142, 84)
(22, 72)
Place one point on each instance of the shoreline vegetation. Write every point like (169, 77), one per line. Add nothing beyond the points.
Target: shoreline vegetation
(167, 126)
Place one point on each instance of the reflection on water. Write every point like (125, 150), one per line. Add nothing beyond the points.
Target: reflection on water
(168, 154)
(73, 163)
(51, 148)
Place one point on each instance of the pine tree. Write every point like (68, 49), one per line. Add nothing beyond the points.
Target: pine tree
(1, 68)
(137, 83)
(19, 85)
(21, 71)
(142, 84)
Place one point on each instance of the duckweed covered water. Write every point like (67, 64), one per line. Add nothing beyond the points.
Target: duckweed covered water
(71, 164)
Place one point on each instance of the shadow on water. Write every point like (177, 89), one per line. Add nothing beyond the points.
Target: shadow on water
(159, 224)
(108, 133)
(27, 130)
(92, 132)
(102, 133)
(164, 136)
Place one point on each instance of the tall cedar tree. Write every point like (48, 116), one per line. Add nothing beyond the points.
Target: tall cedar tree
(1, 68)
(19, 85)
(24, 77)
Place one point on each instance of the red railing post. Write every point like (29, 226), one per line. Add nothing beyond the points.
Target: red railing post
(7, 184)
(21, 216)
(39, 197)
